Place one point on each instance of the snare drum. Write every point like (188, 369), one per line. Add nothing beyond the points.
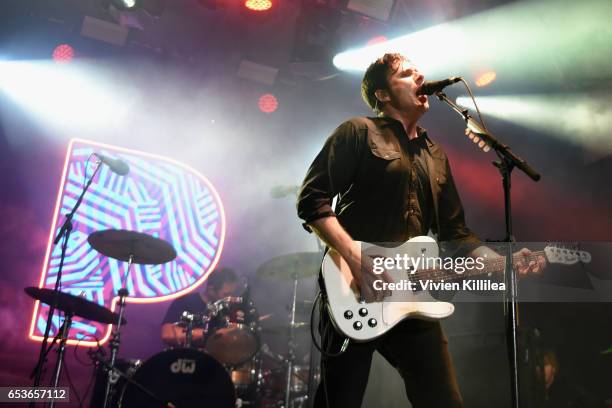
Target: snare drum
(184, 377)
(232, 336)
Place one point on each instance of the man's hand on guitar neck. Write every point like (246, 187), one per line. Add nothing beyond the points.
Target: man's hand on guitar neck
(336, 237)
(524, 260)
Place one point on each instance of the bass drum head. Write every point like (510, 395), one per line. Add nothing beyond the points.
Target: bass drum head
(184, 377)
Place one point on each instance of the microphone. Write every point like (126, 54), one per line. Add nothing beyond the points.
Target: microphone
(117, 166)
(283, 191)
(431, 87)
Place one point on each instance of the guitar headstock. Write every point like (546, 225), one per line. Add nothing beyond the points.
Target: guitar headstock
(566, 256)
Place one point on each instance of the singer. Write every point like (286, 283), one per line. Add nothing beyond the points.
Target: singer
(393, 183)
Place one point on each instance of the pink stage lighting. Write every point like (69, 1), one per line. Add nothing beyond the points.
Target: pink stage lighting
(267, 103)
(63, 53)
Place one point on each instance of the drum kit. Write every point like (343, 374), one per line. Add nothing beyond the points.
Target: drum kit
(232, 368)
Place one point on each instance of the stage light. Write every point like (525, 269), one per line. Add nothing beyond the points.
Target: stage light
(267, 103)
(486, 78)
(125, 4)
(581, 119)
(72, 97)
(546, 41)
(63, 53)
(258, 5)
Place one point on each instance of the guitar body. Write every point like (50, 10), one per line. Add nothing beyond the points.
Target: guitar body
(362, 321)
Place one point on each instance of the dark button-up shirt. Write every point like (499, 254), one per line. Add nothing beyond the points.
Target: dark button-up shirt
(389, 188)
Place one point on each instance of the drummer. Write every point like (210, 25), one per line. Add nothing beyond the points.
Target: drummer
(221, 283)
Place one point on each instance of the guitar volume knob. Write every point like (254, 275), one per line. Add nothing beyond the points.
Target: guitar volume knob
(357, 325)
(348, 315)
(372, 322)
(363, 312)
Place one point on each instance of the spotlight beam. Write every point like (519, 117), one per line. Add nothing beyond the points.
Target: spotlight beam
(583, 119)
(532, 40)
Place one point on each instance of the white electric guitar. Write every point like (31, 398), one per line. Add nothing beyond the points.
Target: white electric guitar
(362, 321)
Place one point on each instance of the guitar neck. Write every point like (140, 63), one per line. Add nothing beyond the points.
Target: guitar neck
(492, 266)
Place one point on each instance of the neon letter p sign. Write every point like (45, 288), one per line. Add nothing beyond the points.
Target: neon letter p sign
(160, 197)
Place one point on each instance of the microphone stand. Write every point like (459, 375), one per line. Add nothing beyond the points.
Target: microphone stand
(508, 160)
(64, 232)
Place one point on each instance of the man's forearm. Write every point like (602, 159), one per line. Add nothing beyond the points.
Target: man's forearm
(336, 237)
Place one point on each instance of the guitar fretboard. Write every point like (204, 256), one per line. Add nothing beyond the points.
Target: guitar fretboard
(491, 266)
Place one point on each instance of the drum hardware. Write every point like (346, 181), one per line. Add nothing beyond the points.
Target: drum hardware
(291, 267)
(71, 306)
(127, 376)
(61, 349)
(75, 305)
(248, 381)
(134, 248)
(292, 346)
(190, 321)
(232, 331)
(187, 318)
(64, 232)
(115, 340)
(187, 322)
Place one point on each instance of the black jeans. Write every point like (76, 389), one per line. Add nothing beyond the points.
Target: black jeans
(417, 349)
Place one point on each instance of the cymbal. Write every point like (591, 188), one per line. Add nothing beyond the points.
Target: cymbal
(290, 266)
(120, 244)
(76, 305)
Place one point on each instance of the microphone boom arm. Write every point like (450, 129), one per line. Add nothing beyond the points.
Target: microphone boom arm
(501, 148)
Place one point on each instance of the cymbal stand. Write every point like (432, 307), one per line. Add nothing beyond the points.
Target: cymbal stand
(60, 352)
(291, 352)
(187, 320)
(116, 337)
(97, 358)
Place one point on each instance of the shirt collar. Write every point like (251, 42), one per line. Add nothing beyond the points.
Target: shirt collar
(386, 121)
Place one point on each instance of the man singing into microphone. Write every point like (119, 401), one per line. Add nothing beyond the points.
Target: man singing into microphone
(393, 183)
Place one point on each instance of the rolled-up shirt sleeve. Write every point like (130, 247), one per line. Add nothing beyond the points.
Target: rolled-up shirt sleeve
(331, 173)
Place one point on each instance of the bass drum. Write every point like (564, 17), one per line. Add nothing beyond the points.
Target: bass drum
(187, 378)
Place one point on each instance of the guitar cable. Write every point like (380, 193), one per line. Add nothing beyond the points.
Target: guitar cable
(325, 354)
(321, 298)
